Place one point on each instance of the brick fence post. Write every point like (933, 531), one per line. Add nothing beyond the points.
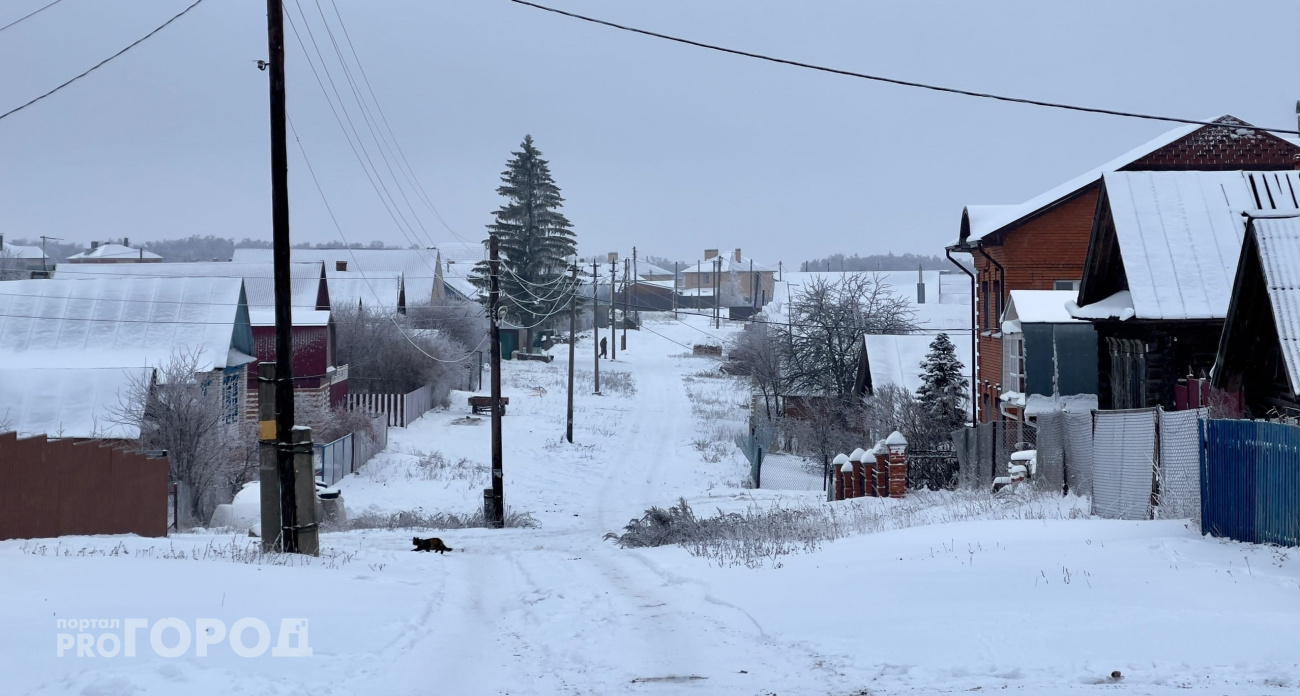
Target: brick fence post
(880, 470)
(859, 485)
(839, 484)
(897, 445)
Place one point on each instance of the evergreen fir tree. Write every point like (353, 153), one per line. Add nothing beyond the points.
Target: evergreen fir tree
(533, 239)
(943, 389)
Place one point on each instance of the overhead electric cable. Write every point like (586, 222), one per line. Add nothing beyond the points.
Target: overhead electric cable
(104, 62)
(33, 13)
(897, 81)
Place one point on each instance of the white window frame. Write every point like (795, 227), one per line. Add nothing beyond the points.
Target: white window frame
(1013, 362)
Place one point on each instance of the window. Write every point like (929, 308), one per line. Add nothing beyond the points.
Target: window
(996, 317)
(230, 395)
(984, 304)
(1013, 362)
(1066, 285)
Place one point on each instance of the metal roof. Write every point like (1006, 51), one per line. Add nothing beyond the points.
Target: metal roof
(113, 251)
(66, 401)
(259, 278)
(1278, 244)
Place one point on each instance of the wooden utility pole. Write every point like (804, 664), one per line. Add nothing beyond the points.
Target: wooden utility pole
(675, 276)
(595, 319)
(623, 346)
(717, 295)
(613, 327)
(44, 259)
(495, 516)
(283, 295)
(573, 345)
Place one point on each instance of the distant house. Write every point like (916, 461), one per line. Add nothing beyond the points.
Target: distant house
(742, 281)
(423, 278)
(316, 374)
(1160, 270)
(68, 347)
(1259, 352)
(1041, 244)
(17, 262)
(381, 291)
(895, 360)
(114, 253)
(649, 271)
(1046, 352)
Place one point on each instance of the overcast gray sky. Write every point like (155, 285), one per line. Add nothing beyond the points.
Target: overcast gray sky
(664, 146)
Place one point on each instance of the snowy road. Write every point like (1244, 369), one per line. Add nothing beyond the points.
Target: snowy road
(1041, 605)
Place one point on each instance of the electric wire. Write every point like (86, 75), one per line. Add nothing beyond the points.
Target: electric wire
(897, 81)
(33, 13)
(104, 62)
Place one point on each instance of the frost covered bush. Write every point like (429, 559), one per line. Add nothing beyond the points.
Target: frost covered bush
(418, 519)
(433, 466)
(761, 535)
(618, 382)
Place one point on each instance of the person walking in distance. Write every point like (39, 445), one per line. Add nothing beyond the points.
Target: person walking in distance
(603, 346)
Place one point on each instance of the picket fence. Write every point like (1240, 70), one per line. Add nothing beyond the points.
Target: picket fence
(400, 409)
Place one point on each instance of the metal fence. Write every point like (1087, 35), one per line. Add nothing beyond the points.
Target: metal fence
(368, 445)
(58, 487)
(1250, 481)
(401, 409)
(1123, 463)
(1050, 445)
(934, 469)
(334, 459)
(1178, 480)
(1078, 452)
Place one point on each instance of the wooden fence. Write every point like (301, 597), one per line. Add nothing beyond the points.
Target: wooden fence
(61, 487)
(401, 409)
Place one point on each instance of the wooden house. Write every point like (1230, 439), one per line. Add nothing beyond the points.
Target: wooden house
(1160, 270)
(739, 280)
(1041, 244)
(1259, 352)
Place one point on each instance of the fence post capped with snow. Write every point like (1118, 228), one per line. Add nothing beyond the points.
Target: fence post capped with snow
(836, 471)
(858, 459)
(897, 476)
(880, 470)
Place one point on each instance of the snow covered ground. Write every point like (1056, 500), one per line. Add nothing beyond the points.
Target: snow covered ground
(945, 594)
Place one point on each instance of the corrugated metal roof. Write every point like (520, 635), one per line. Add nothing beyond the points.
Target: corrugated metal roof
(1180, 233)
(259, 278)
(113, 251)
(896, 359)
(66, 402)
(374, 290)
(417, 266)
(122, 322)
(1278, 241)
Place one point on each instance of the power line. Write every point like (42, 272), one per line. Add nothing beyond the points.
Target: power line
(897, 81)
(102, 63)
(33, 13)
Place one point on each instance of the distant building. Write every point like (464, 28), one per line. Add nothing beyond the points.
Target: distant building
(17, 262)
(1046, 352)
(114, 253)
(424, 280)
(741, 281)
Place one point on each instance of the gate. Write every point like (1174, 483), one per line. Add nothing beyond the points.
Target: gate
(936, 469)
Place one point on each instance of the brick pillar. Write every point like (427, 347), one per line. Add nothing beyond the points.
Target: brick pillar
(880, 476)
(859, 485)
(897, 477)
(837, 483)
(850, 484)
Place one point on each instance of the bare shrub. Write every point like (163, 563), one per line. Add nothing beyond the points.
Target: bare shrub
(433, 466)
(418, 519)
(385, 357)
(618, 382)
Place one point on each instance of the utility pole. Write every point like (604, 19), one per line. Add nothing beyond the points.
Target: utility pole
(626, 264)
(675, 277)
(595, 319)
(636, 282)
(44, 265)
(496, 515)
(573, 332)
(284, 421)
(717, 296)
(613, 327)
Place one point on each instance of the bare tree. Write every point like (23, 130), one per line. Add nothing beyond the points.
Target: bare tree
(11, 267)
(460, 320)
(180, 409)
(757, 353)
(824, 427)
(828, 320)
(384, 356)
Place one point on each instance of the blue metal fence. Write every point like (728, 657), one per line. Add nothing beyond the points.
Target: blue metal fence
(1250, 481)
(334, 459)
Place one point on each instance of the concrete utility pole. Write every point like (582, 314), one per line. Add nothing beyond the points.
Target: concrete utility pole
(573, 332)
(675, 276)
(623, 346)
(284, 421)
(717, 295)
(496, 515)
(613, 327)
(595, 319)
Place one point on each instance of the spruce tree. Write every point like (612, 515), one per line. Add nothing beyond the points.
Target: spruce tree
(943, 389)
(533, 239)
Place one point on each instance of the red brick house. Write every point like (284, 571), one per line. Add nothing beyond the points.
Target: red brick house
(1042, 244)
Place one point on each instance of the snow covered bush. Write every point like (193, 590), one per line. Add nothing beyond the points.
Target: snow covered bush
(618, 382)
(419, 519)
(385, 357)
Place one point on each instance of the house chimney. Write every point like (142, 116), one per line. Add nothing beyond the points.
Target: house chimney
(94, 246)
(340, 265)
(737, 255)
(126, 242)
(710, 253)
(1297, 112)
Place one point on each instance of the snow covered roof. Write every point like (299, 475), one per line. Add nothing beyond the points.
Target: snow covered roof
(112, 251)
(1118, 306)
(374, 290)
(896, 358)
(979, 221)
(1037, 307)
(939, 312)
(1074, 403)
(1179, 235)
(462, 252)
(1278, 242)
(66, 401)
(649, 269)
(123, 322)
(729, 264)
(259, 278)
(265, 316)
(15, 251)
(419, 267)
